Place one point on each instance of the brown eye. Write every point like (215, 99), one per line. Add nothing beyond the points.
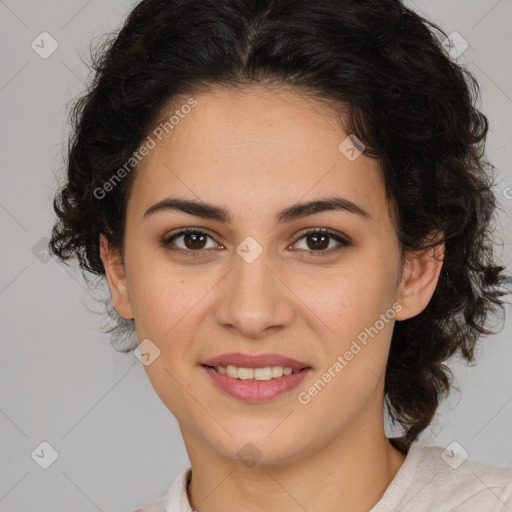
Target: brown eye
(193, 241)
(317, 242)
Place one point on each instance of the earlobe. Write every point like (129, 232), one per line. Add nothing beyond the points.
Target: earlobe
(116, 279)
(420, 278)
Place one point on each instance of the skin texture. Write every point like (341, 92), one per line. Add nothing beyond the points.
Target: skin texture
(254, 153)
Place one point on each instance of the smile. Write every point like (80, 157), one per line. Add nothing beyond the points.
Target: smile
(255, 384)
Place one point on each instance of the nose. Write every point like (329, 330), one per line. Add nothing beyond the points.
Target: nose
(254, 300)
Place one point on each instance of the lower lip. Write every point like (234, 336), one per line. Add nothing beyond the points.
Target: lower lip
(256, 390)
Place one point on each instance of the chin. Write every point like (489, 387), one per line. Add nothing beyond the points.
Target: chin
(261, 449)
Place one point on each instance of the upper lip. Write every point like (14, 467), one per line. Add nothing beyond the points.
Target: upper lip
(255, 361)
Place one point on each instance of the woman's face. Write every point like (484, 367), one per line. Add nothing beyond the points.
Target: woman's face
(257, 285)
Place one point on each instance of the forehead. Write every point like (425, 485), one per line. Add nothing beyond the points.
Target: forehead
(257, 150)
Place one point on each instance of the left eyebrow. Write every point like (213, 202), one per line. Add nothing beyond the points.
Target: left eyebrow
(294, 212)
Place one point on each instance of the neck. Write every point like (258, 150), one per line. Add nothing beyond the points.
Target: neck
(349, 473)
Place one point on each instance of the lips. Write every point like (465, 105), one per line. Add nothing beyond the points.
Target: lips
(255, 361)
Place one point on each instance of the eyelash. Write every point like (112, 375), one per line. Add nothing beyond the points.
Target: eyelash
(166, 242)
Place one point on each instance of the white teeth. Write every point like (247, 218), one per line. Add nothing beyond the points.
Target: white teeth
(245, 373)
(266, 373)
(232, 371)
(277, 371)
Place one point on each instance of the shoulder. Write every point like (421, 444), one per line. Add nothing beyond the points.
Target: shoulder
(175, 499)
(152, 506)
(448, 480)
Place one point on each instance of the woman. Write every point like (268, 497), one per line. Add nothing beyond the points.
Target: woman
(291, 207)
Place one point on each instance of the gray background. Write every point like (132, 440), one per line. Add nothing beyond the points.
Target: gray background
(60, 380)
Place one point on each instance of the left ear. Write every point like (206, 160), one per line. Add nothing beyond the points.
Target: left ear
(419, 280)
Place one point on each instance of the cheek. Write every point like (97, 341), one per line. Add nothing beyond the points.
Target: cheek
(169, 302)
(160, 294)
(359, 312)
(346, 300)
(357, 307)
(164, 305)
(166, 308)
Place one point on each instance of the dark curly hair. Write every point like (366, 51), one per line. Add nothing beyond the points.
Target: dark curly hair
(385, 70)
